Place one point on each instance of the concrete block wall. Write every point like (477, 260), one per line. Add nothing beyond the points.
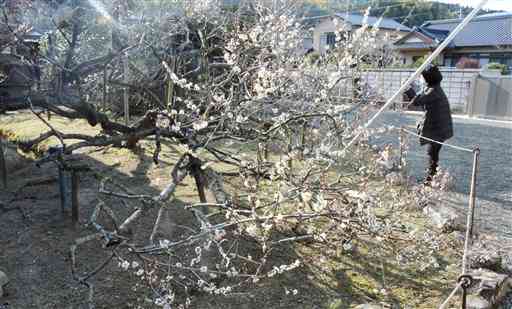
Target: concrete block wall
(456, 83)
(491, 97)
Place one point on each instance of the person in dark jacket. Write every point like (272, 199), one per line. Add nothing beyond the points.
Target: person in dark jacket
(437, 123)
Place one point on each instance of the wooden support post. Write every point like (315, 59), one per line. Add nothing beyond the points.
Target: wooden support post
(105, 80)
(260, 160)
(75, 190)
(303, 140)
(265, 149)
(3, 168)
(200, 187)
(402, 160)
(170, 86)
(200, 183)
(290, 142)
(125, 91)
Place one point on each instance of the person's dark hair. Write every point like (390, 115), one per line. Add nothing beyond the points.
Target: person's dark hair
(432, 75)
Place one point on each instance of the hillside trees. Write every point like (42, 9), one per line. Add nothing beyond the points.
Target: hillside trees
(411, 13)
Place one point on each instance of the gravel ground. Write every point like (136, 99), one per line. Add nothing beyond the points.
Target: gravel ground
(494, 186)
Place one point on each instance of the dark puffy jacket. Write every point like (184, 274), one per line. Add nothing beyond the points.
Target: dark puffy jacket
(437, 123)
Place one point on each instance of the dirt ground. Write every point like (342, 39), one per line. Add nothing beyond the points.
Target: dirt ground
(35, 240)
(35, 237)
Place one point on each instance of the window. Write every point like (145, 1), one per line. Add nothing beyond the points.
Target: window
(448, 61)
(484, 61)
(509, 61)
(323, 40)
(501, 58)
(331, 39)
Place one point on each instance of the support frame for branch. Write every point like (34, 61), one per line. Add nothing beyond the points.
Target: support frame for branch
(3, 167)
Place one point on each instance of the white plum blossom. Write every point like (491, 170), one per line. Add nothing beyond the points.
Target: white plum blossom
(199, 125)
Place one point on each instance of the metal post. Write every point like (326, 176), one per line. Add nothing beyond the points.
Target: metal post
(471, 210)
(75, 188)
(3, 168)
(465, 282)
(472, 194)
(62, 189)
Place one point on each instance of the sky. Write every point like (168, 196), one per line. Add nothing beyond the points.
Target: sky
(504, 5)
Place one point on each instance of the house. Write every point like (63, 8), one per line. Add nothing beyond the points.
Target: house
(322, 36)
(486, 39)
(18, 71)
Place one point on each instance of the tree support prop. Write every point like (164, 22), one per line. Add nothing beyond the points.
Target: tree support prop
(3, 168)
(195, 168)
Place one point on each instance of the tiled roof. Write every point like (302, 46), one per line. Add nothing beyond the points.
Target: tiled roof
(421, 39)
(486, 30)
(357, 20)
(386, 23)
(435, 34)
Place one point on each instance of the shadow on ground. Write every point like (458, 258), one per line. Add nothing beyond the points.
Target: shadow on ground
(35, 237)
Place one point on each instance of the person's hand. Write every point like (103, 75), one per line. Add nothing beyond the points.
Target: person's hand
(410, 93)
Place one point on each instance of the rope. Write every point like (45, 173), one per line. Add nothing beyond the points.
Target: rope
(462, 283)
(416, 74)
(441, 143)
(452, 294)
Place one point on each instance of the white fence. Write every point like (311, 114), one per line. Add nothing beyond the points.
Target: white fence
(383, 83)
